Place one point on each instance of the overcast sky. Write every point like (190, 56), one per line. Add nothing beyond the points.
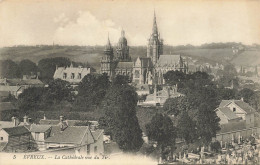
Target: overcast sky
(65, 22)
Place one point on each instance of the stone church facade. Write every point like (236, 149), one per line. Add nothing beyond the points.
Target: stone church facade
(144, 70)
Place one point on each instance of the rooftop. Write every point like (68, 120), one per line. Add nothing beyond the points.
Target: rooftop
(72, 135)
(165, 60)
(39, 128)
(13, 131)
(228, 113)
(243, 105)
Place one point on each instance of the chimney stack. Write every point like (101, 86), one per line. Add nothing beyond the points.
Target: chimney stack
(25, 119)
(15, 122)
(61, 118)
(44, 117)
(242, 99)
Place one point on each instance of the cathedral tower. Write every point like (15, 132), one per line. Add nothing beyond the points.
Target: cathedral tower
(122, 48)
(155, 44)
(107, 59)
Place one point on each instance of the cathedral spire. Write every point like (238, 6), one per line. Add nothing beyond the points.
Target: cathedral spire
(155, 31)
(108, 46)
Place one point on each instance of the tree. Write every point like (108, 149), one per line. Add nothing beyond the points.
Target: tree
(161, 130)
(31, 99)
(174, 77)
(9, 69)
(48, 66)
(207, 123)
(171, 106)
(119, 107)
(59, 90)
(27, 67)
(186, 128)
(120, 80)
(249, 96)
(91, 91)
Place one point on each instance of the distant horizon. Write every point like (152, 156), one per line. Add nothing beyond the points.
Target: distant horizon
(113, 45)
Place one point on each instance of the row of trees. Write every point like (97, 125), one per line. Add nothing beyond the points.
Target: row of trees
(193, 116)
(116, 100)
(45, 68)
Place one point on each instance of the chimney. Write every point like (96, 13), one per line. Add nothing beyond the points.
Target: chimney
(44, 117)
(25, 119)
(242, 99)
(14, 120)
(61, 118)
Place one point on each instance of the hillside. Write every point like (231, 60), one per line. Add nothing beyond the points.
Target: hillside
(92, 54)
(247, 58)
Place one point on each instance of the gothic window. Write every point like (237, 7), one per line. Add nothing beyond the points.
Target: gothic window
(234, 109)
(64, 75)
(137, 74)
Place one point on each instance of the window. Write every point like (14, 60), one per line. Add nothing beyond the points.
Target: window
(79, 76)
(95, 149)
(234, 109)
(64, 75)
(88, 149)
(137, 74)
(37, 136)
(72, 75)
(2, 138)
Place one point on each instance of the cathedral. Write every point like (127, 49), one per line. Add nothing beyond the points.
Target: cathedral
(144, 70)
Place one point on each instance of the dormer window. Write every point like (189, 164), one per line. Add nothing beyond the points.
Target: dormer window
(64, 75)
(79, 76)
(72, 75)
(234, 109)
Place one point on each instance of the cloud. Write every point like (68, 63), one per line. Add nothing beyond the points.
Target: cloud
(88, 30)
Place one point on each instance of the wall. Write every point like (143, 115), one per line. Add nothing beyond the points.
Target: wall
(239, 112)
(4, 135)
(19, 143)
(245, 133)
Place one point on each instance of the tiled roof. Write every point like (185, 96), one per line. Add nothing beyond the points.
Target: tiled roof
(9, 88)
(97, 133)
(6, 124)
(246, 107)
(165, 60)
(228, 113)
(2, 146)
(76, 70)
(224, 103)
(13, 131)
(6, 106)
(13, 82)
(4, 93)
(243, 105)
(124, 65)
(72, 134)
(39, 128)
(56, 122)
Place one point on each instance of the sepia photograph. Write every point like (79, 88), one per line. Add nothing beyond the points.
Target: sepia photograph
(129, 82)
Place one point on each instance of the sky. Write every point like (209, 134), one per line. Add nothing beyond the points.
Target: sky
(76, 22)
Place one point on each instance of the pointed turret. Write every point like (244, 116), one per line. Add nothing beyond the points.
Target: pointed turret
(155, 30)
(108, 46)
